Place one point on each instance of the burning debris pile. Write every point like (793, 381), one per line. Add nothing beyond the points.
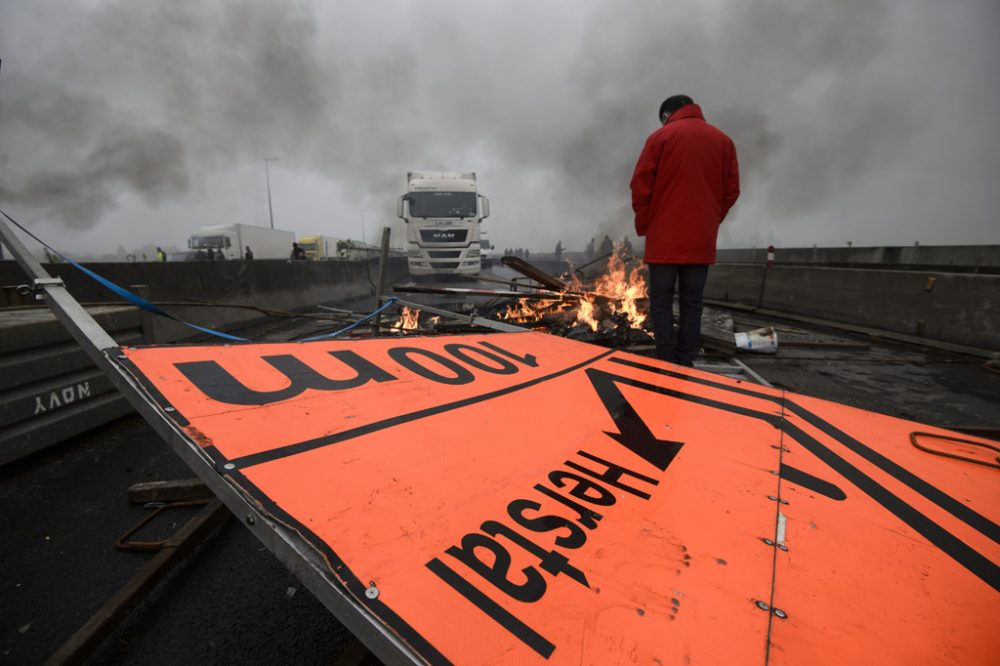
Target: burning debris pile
(610, 310)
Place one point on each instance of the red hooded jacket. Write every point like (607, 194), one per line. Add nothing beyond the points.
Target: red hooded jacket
(685, 182)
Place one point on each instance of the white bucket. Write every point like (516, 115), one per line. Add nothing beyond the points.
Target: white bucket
(762, 340)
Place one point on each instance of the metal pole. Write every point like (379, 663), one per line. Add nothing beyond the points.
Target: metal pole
(363, 225)
(383, 260)
(267, 175)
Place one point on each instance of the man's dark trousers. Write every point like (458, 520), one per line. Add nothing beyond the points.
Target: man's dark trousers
(680, 346)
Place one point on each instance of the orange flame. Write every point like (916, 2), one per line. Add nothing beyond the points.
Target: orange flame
(409, 319)
(529, 312)
(622, 286)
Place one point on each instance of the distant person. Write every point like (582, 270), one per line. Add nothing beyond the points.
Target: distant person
(559, 250)
(685, 182)
(607, 245)
(627, 245)
(589, 251)
(298, 254)
(248, 255)
(527, 254)
(160, 254)
(211, 254)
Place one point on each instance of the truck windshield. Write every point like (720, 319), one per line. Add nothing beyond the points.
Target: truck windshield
(308, 247)
(200, 242)
(442, 204)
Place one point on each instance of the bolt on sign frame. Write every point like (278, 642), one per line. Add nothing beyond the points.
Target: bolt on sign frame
(518, 498)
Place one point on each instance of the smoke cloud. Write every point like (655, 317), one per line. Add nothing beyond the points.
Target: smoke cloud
(858, 120)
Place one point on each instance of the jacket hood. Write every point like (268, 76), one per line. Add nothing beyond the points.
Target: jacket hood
(686, 112)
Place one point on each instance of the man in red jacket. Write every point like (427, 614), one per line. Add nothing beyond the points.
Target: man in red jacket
(685, 182)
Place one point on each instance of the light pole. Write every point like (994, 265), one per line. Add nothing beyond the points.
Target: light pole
(363, 225)
(267, 175)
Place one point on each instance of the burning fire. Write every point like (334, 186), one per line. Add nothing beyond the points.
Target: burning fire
(409, 319)
(624, 286)
(527, 311)
(614, 293)
(585, 314)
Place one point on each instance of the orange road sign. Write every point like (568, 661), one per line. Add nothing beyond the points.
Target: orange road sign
(526, 499)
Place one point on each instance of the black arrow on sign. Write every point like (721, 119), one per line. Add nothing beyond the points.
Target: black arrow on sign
(633, 433)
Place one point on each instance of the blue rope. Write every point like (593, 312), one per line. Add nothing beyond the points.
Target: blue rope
(389, 301)
(135, 299)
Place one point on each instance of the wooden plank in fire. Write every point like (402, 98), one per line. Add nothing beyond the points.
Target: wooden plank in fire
(537, 274)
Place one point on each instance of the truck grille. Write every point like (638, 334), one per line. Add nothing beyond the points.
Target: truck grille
(444, 235)
(444, 264)
(444, 254)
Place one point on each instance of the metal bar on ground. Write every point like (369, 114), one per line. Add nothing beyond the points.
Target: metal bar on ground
(82, 643)
(492, 293)
(514, 285)
(752, 373)
(167, 491)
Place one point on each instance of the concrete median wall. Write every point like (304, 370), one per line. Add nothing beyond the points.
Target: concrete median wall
(270, 284)
(951, 307)
(968, 257)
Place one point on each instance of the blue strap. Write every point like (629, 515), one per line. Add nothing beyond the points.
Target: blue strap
(142, 303)
(389, 301)
(135, 299)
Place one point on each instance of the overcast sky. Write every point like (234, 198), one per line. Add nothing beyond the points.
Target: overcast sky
(128, 122)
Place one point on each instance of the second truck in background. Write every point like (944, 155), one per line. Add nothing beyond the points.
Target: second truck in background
(319, 247)
(230, 241)
(443, 212)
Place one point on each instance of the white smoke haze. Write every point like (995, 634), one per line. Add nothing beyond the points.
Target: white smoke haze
(131, 123)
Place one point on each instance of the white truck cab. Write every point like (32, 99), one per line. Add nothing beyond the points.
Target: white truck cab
(443, 212)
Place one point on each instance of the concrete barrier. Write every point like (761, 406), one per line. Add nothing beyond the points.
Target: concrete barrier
(736, 283)
(270, 284)
(49, 389)
(952, 307)
(960, 308)
(971, 258)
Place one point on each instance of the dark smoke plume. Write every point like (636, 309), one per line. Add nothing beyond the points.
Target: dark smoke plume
(155, 101)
